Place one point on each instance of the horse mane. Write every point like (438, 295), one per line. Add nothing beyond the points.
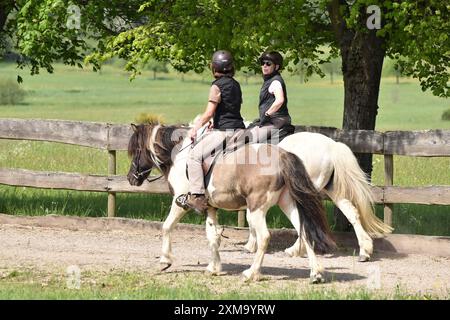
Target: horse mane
(164, 142)
(138, 141)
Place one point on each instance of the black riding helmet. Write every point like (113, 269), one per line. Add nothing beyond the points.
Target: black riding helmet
(273, 56)
(222, 61)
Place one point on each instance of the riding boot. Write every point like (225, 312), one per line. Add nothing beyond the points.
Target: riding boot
(196, 202)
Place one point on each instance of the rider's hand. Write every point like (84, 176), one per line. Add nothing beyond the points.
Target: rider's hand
(264, 120)
(193, 134)
(210, 125)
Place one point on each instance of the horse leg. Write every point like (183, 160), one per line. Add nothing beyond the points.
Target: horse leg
(365, 242)
(175, 214)
(257, 219)
(213, 234)
(288, 206)
(317, 271)
(320, 180)
(251, 243)
(296, 250)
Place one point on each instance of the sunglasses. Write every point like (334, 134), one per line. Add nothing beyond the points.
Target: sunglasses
(266, 63)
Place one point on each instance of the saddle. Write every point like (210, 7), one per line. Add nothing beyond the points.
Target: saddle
(229, 144)
(285, 128)
(240, 138)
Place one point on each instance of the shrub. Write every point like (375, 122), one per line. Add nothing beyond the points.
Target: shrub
(446, 115)
(10, 92)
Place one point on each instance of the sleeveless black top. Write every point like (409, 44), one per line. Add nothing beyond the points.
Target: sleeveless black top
(228, 111)
(266, 99)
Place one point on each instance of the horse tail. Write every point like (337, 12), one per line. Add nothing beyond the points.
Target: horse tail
(350, 182)
(312, 214)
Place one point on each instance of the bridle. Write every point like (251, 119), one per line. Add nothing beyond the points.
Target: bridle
(137, 174)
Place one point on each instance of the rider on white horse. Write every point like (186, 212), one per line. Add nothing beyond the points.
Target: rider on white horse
(224, 106)
(274, 121)
(331, 165)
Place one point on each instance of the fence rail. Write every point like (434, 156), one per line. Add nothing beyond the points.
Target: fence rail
(115, 137)
(97, 183)
(424, 143)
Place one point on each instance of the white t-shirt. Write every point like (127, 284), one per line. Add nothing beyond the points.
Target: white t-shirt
(275, 85)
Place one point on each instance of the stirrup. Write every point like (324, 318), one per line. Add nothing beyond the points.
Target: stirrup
(181, 201)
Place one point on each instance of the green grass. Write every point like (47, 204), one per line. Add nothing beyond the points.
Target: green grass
(109, 97)
(117, 285)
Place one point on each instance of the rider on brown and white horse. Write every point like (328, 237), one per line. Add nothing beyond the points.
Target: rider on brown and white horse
(224, 107)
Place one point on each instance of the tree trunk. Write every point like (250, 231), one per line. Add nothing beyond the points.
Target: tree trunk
(362, 61)
(4, 10)
(300, 72)
(3, 17)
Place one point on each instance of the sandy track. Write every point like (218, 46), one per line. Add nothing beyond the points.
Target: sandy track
(44, 248)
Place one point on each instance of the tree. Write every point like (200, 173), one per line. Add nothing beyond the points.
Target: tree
(246, 73)
(156, 66)
(333, 67)
(61, 30)
(391, 68)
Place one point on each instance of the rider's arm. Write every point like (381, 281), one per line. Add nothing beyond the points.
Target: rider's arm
(277, 90)
(213, 101)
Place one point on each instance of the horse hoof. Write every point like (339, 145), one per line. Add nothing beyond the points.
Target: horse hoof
(294, 252)
(289, 252)
(363, 258)
(316, 279)
(165, 266)
(213, 270)
(248, 276)
(250, 248)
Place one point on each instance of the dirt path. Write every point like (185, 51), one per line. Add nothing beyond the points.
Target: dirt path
(44, 248)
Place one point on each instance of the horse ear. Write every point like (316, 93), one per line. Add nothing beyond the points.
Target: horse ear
(134, 127)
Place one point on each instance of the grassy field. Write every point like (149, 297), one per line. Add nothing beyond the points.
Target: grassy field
(115, 285)
(109, 97)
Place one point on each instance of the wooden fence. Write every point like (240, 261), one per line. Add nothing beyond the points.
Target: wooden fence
(114, 137)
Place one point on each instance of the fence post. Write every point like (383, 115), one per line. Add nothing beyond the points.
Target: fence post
(111, 171)
(388, 181)
(241, 219)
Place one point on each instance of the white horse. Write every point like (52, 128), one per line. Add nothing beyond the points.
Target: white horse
(334, 171)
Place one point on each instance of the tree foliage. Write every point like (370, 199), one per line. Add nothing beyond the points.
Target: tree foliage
(186, 33)
(417, 37)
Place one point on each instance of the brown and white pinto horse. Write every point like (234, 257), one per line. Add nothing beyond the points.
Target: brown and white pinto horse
(255, 177)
